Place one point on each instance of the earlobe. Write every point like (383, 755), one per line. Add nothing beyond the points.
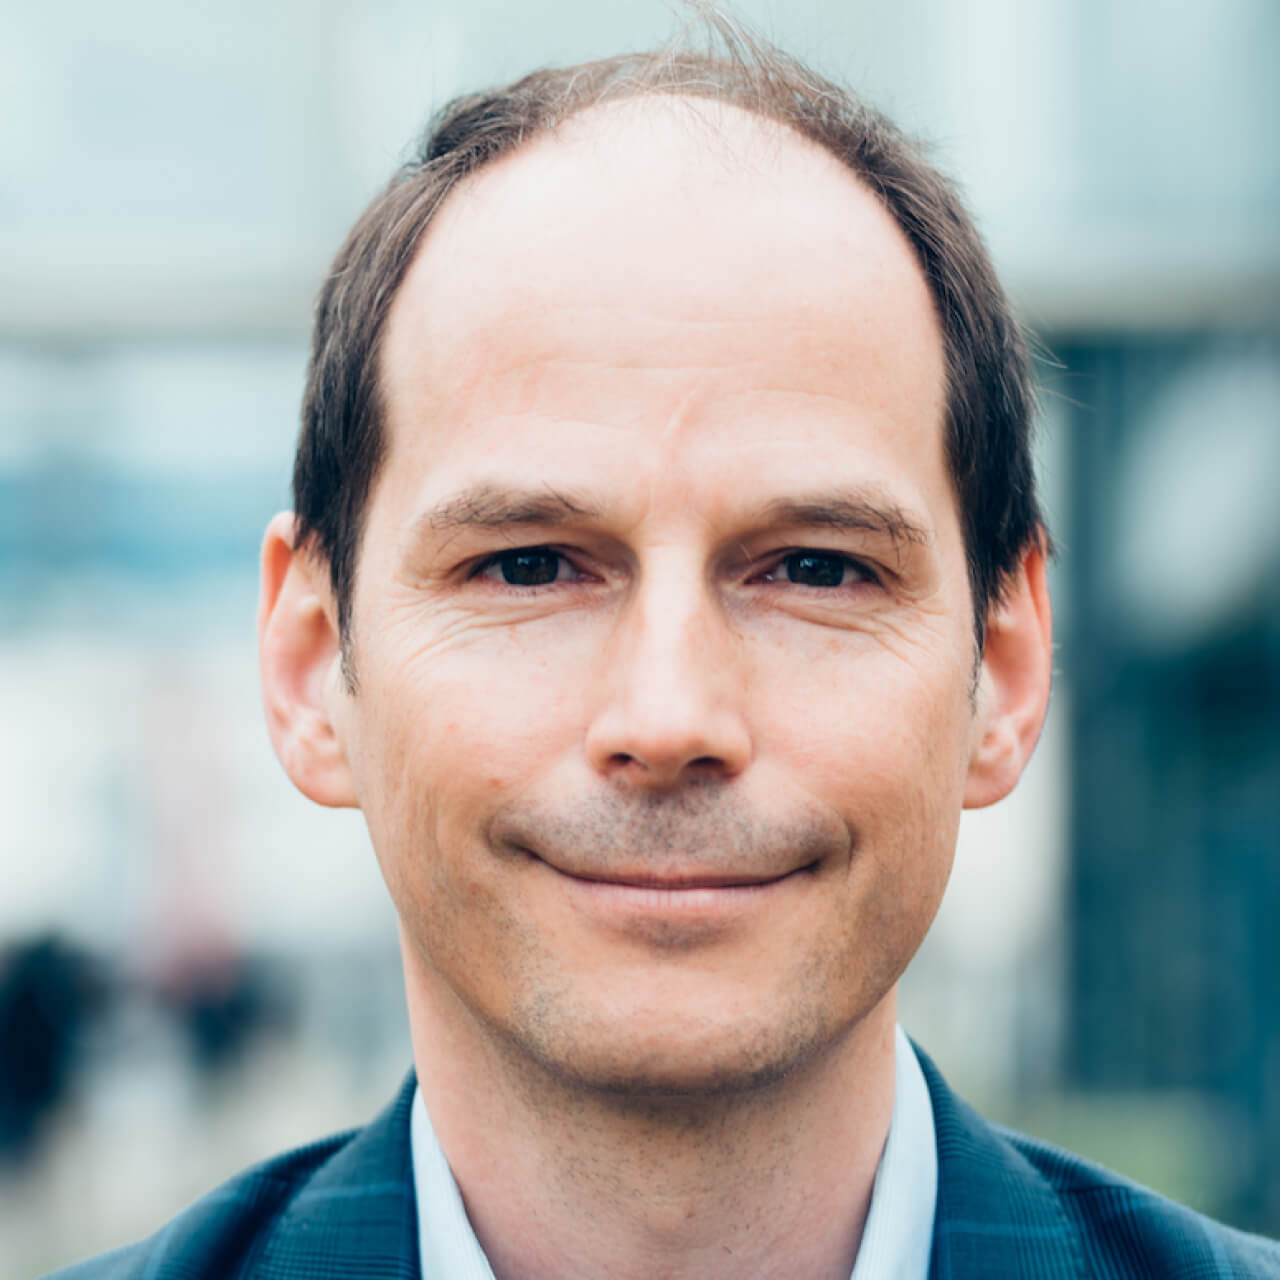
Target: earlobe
(1014, 682)
(298, 654)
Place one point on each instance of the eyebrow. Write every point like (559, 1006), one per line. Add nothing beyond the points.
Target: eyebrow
(863, 512)
(491, 506)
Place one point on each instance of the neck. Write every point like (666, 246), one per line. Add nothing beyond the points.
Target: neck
(767, 1182)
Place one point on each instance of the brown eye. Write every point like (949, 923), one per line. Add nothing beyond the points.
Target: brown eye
(533, 567)
(816, 568)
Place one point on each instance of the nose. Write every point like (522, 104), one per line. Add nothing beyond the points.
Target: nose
(673, 690)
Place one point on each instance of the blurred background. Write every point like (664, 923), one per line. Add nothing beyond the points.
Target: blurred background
(198, 969)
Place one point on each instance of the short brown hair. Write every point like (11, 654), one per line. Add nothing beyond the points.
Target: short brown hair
(989, 400)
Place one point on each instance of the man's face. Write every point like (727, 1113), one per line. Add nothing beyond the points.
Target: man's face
(662, 630)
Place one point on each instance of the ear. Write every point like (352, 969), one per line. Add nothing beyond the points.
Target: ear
(1013, 683)
(300, 663)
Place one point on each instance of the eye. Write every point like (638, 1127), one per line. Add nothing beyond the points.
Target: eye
(526, 567)
(819, 569)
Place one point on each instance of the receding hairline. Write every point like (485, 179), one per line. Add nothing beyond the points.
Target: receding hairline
(715, 118)
(723, 130)
(730, 131)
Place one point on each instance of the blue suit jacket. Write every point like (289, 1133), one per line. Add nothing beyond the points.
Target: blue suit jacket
(343, 1209)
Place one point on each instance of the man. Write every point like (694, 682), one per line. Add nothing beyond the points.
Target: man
(666, 576)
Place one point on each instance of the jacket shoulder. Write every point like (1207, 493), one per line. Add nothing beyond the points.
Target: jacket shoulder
(1127, 1229)
(219, 1234)
(1013, 1206)
(340, 1206)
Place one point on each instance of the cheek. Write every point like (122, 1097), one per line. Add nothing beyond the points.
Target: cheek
(887, 747)
(450, 715)
(445, 737)
(885, 728)
(440, 762)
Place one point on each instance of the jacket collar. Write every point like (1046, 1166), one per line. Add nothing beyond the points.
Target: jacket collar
(355, 1217)
(997, 1214)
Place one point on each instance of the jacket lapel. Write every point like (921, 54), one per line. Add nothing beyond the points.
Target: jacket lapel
(997, 1215)
(356, 1217)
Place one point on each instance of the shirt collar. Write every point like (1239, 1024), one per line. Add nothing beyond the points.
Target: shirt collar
(898, 1234)
(447, 1246)
(895, 1240)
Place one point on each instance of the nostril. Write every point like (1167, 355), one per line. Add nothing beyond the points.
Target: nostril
(700, 764)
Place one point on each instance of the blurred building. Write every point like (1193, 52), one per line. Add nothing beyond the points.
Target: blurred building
(173, 180)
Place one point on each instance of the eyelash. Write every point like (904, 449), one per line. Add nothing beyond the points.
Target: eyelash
(865, 573)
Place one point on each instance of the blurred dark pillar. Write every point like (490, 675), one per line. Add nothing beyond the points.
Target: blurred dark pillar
(46, 996)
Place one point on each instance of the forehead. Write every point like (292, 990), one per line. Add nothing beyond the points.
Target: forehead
(691, 244)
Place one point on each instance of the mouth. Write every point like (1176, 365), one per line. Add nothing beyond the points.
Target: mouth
(672, 887)
(681, 882)
(676, 908)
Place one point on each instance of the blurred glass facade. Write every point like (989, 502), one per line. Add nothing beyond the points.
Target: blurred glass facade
(197, 968)
(1174, 881)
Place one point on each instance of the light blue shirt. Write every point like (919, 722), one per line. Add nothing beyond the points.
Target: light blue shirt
(896, 1240)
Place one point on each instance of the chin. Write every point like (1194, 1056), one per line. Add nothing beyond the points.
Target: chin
(655, 1055)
